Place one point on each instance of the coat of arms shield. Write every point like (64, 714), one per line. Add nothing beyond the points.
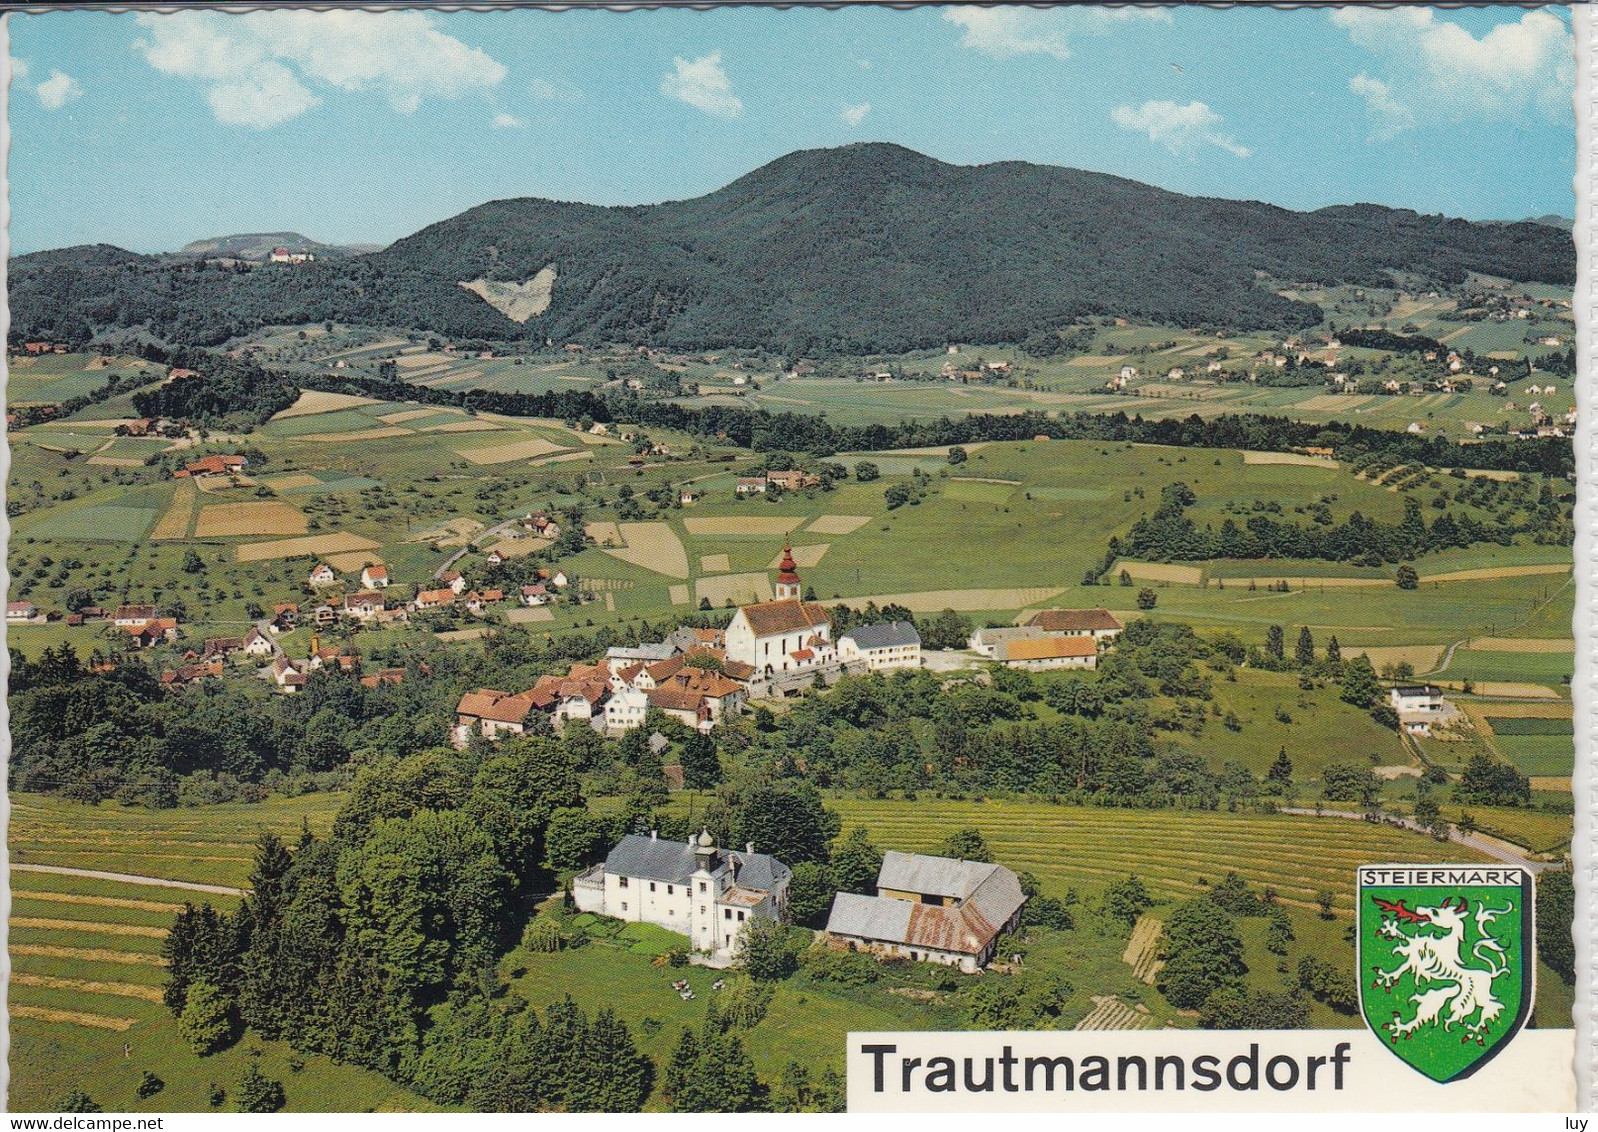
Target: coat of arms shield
(1447, 961)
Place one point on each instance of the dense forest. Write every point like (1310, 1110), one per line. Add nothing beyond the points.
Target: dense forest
(863, 249)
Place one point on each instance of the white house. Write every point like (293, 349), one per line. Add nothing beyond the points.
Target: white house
(322, 575)
(257, 643)
(695, 888)
(930, 910)
(374, 576)
(20, 611)
(364, 606)
(895, 644)
(1420, 707)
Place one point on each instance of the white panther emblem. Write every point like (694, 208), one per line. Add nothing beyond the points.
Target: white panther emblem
(1463, 995)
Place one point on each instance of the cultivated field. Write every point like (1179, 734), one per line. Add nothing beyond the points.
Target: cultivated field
(233, 519)
(295, 547)
(86, 970)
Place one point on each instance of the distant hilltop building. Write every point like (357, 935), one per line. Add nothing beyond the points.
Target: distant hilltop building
(930, 910)
(283, 255)
(696, 888)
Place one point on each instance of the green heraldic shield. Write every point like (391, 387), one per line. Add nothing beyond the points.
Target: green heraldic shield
(1446, 961)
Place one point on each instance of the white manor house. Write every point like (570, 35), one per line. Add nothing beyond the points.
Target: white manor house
(693, 887)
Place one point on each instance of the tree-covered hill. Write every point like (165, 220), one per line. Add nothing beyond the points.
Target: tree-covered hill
(866, 248)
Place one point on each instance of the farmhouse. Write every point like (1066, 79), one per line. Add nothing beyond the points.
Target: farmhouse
(454, 580)
(695, 888)
(257, 643)
(221, 647)
(930, 909)
(20, 611)
(374, 576)
(493, 713)
(748, 485)
(322, 575)
(1041, 653)
(127, 615)
(434, 599)
(895, 644)
(364, 606)
(792, 480)
(147, 634)
(186, 674)
(537, 594)
(211, 466)
(1033, 647)
(285, 615)
(1100, 624)
(696, 696)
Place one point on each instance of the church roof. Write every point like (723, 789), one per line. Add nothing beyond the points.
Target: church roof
(789, 615)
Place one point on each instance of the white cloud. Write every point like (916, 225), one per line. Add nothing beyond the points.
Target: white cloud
(546, 91)
(1440, 69)
(19, 69)
(261, 68)
(508, 122)
(1004, 32)
(703, 85)
(854, 115)
(1180, 129)
(58, 90)
(267, 95)
(1389, 118)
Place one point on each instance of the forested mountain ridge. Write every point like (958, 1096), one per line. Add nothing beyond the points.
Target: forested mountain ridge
(865, 248)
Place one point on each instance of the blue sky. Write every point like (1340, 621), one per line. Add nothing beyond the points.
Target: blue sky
(148, 131)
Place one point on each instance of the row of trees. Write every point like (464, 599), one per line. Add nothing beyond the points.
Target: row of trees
(1169, 535)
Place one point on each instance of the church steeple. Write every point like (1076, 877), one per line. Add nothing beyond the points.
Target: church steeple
(787, 576)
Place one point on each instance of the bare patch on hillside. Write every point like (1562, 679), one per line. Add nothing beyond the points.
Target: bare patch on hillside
(517, 301)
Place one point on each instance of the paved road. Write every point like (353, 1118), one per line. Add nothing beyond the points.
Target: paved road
(479, 539)
(130, 878)
(1494, 848)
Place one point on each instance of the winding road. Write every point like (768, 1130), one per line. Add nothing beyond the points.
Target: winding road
(1492, 846)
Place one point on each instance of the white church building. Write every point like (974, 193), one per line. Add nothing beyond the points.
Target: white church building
(692, 887)
(784, 635)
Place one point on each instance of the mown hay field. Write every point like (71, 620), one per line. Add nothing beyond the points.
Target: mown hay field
(837, 524)
(742, 526)
(654, 546)
(269, 517)
(343, 542)
(314, 403)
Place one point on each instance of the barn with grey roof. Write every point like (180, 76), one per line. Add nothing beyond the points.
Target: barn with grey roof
(930, 909)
